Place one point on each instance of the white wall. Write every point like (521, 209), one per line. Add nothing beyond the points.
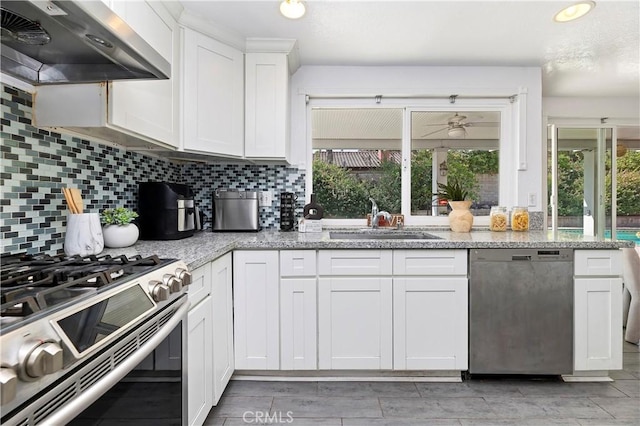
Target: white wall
(618, 110)
(436, 81)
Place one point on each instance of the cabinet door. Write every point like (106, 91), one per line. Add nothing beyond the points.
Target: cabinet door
(200, 383)
(430, 262)
(149, 108)
(223, 362)
(598, 262)
(266, 100)
(200, 286)
(298, 327)
(355, 262)
(213, 96)
(298, 263)
(355, 323)
(430, 323)
(598, 324)
(256, 310)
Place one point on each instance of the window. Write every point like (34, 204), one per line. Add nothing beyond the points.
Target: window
(397, 154)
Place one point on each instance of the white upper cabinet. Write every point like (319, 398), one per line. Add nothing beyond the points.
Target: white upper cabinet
(268, 64)
(212, 96)
(266, 101)
(150, 108)
(130, 113)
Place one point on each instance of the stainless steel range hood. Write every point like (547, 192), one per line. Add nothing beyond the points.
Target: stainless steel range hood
(52, 42)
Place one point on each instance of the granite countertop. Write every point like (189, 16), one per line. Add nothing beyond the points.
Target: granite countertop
(206, 246)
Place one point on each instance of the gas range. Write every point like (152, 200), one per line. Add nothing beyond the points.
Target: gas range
(62, 319)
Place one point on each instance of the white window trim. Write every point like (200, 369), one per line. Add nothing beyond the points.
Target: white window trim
(508, 127)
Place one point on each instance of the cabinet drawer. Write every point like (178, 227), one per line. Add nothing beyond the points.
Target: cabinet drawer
(430, 262)
(598, 262)
(298, 263)
(200, 286)
(355, 262)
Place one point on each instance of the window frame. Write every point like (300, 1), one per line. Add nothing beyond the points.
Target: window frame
(504, 105)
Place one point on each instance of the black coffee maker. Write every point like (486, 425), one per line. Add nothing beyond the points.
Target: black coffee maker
(287, 211)
(166, 211)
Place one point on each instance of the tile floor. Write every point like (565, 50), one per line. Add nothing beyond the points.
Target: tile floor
(474, 402)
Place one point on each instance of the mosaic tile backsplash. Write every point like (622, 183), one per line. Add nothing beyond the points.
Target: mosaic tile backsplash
(205, 179)
(37, 164)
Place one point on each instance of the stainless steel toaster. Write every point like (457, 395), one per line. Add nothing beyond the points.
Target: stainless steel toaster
(236, 210)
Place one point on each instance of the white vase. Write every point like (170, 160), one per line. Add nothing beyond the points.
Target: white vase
(460, 218)
(83, 235)
(118, 236)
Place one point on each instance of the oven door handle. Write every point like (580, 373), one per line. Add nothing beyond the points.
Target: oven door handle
(66, 413)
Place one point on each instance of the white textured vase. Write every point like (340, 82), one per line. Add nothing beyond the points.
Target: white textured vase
(460, 218)
(118, 236)
(84, 235)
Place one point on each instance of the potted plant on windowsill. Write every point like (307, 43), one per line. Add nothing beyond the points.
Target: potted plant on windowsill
(118, 230)
(460, 218)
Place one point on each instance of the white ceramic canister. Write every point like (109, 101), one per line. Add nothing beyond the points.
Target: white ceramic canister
(84, 235)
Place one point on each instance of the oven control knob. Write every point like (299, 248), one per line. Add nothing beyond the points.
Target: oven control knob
(172, 282)
(159, 291)
(184, 276)
(8, 385)
(44, 359)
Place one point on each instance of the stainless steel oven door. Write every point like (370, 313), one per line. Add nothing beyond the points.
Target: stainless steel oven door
(80, 388)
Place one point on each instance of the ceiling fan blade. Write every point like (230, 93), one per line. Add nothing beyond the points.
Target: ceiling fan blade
(433, 133)
(482, 124)
(437, 124)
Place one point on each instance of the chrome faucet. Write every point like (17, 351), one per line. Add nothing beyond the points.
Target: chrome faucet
(376, 219)
(375, 215)
(374, 209)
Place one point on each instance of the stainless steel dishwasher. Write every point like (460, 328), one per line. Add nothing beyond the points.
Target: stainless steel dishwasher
(521, 311)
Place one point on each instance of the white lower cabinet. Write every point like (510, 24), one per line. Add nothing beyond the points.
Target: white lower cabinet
(355, 320)
(430, 310)
(298, 310)
(256, 310)
(298, 325)
(210, 337)
(598, 310)
(222, 327)
(200, 367)
(430, 318)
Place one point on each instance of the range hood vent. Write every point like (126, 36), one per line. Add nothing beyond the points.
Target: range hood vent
(53, 42)
(16, 27)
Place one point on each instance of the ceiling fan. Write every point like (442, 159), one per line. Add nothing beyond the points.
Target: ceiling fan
(455, 126)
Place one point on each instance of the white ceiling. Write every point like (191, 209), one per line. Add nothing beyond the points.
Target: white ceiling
(597, 55)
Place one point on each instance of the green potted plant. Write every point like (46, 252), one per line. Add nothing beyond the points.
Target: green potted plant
(118, 230)
(460, 218)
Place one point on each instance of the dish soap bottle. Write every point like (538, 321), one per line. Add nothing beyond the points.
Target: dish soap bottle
(313, 210)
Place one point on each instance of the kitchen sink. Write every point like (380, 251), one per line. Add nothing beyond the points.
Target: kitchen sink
(373, 235)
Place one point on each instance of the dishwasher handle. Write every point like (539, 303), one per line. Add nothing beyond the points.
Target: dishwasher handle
(520, 257)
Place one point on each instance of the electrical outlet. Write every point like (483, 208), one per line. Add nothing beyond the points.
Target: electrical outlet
(532, 199)
(265, 199)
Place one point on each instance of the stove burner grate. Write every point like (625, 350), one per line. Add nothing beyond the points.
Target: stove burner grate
(31, 283)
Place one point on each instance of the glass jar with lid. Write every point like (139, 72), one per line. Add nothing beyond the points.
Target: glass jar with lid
(520, 219)
(498, 219)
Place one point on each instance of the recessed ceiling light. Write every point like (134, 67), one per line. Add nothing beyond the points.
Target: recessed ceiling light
(574, 11)
(292, 9)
